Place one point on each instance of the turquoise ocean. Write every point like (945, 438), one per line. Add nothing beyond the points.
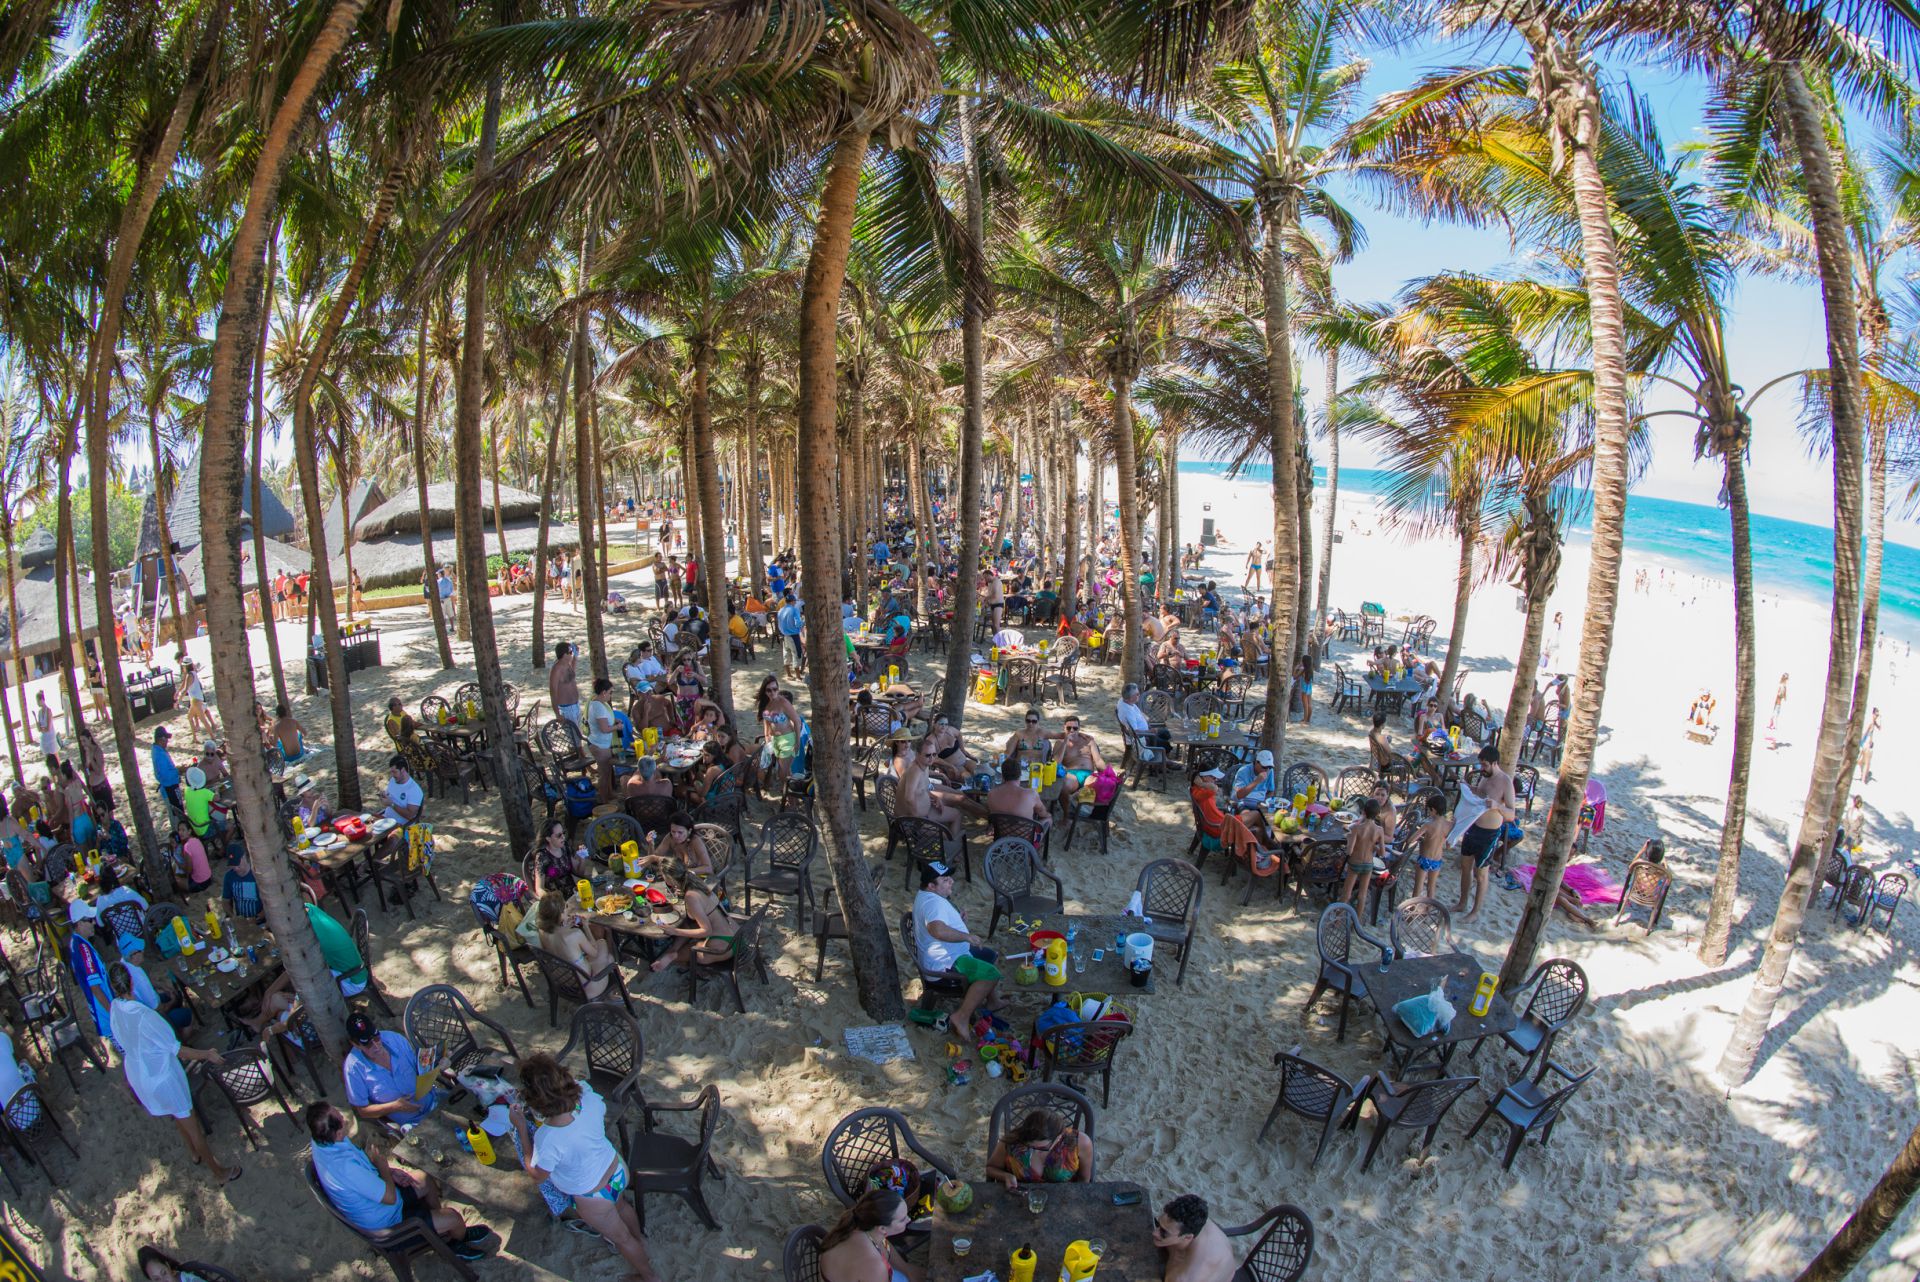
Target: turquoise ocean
(1790, 558)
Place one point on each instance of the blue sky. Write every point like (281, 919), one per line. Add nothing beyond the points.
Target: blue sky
(1776, 325)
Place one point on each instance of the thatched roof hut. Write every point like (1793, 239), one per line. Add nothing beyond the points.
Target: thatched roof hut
(192, 568)
(39, 615)
(37, 555)
(386, 546)
(401, 514)
(362, 499)
(183, 513)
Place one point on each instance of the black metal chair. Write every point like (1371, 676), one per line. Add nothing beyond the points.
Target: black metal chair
(245, 1077)
(29, 1123)
(396, 868)
(1354, 782)
(1420, 928)
(440, 1015)
(1556, 991)
(1527, 1106)
(1083, 1049)
(651, 813)
(1283, 1249)
(1170, 894)
(124, 919)
(785, 852)
(568, 982)
(609, 832)
(747, 951)
(1012, 867)
(1410, 1106)
(720, 846)
(1339, 927)
(869, 1137)
(1017, 1104)
(1301, 775)
(362, 934)
(659, 1161)
(1314, 1092)
(412, 1236)
(829, 923)
(800, 1257)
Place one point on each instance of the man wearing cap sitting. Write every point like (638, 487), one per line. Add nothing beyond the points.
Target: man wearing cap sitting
(383, 1072)
(946, 947)
(1253, 782)
(374, 1194)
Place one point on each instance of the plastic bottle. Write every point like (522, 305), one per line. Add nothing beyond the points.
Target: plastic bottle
(482, 1146)
(213, 923)
(1482, 1000)
(1020, 1264)
(1079, 1262)
(585, 888)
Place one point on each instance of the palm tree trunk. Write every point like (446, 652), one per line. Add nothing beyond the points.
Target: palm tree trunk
(713, 533)
(13, 642)
(1126, 486)
(972, 444)
(1847, 407)
(155, 168)
(1578, 100)
(585, 465)
(1170, 505)
(1303, 473)
(1520, 697)
(1869, 609)
(1733, 827)
(1333, 486)
(263, 581)
(854, 506)
(421, 383)
(750, 475)
(468, 395)
(66, 589)
(222, 467)
(876, 976)
(1871, 1219)
(165, 563)
(1070, 539)
(546, 513)
(493, 458)
(1283, 435)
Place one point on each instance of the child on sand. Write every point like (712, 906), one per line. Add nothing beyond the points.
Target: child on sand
(1430, 843)
(1363, 843)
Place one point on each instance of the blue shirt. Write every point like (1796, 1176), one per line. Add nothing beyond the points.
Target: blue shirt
(880, 551)
(791, 620)
(165, 773)
(243, 891)
(355, 1185)
(83, 831)
(1244, 776)
(368, 1083)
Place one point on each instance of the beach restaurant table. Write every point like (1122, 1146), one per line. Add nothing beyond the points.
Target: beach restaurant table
(998, 1222)
(1415, 977)
(1098, 933)
(1391, 696)
(219, 988)
(361, 649)
(150, 693)
(1233, 737)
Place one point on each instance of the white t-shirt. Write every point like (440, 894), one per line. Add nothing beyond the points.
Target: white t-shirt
(599, 714)
(578, 1154)
(1133, 719)
(937, 955)
(408, 793)
(11, 1078)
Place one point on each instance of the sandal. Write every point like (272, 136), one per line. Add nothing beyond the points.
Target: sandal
(234, 1174)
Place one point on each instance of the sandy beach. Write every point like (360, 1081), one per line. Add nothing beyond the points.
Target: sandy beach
(1653, 1173)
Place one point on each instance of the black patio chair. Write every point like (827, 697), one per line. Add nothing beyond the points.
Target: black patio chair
(1887, 894)
(1314, 1092)
(609, 832)
(1170, 894)
(1012, 868)
(1032, 831)
(1556, 991)
(1022, 1101)
(1420, 928)
(396, 869)
(412, 1236)
(1646, 886)
(1301, 775)
(659, 1161)
(784, 855)
(747, 951)
(1284, 1247)
(440, 1015)
(509, 950)
(933, 984)
(1339, 927)
(1527, 1106)
(362, 934)
(29, 1125)
(611, 1049)
(1083, 1049)
(925, 842)
(1096, 814)
(651, 813)
(245, 1076)
(1409, 1106)
(870, 1137)
(800, 1257)
(1353, 783)
(568, 982)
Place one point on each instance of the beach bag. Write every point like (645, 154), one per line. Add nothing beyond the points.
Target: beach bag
(582, 797)
(419, 848)
(1106, 786)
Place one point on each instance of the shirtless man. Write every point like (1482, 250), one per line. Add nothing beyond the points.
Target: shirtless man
(1478, 843)
(1011, 796)
(1197, 1251)
(563, 686)
(1430, 843)
(1079, 754)
(919, 799)
(1363, 843)
(651, 706)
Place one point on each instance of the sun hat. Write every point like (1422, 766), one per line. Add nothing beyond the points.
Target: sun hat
(80, 910)
(302, 784)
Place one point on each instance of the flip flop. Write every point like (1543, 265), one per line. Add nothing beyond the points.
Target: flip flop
(234, 1174)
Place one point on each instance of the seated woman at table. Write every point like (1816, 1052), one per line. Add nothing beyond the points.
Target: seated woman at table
(689, 687)
(1208, 818)
(13, 837)
(678, 843)
(1380, 753)
(564, 935)
(952, 761)
(190, 858)
(647, 781)
(553, 864)
(705, 934)
(1378, 663)
(1030, 743)
(1041, 1149)
(856, 1248)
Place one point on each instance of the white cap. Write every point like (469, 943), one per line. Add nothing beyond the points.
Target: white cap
(80, 910)
(196, 777)
(1263, 757)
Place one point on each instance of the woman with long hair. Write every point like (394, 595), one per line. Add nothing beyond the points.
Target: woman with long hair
(780, 723)
(1041, 1149)
(856, 1248)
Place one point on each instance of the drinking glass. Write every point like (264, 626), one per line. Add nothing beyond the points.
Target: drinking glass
(1098, 1246)
(1036, 1200)
(1079, 961)
(961, 1245)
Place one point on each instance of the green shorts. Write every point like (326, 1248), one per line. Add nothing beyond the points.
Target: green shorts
(976, 971)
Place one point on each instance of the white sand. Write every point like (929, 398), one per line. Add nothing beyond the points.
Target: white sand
(1652, 1173)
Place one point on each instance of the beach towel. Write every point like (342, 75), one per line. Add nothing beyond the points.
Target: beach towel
(1470, 807)
(1590, 883)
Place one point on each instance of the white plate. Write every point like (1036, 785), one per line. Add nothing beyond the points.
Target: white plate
(227, 966)
(327, 840)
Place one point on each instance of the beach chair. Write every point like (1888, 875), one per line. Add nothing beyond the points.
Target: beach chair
(1021, 1102)
(1556, 992)
(1013, 869)
(1256, 861)
(1170, 893)
(800, 1257)
(1646, 887)
(1420, 928)
(1409, 1106)
(870, 1137)
(1887, 894)
(1311, 1091)
(1284, 1248)
(1339, 927)
(1528, 1106)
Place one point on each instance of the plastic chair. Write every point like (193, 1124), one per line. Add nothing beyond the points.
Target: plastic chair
(1411, 1106)
(1012, 867)
(785, 851)
(412, 1236)
(28, 1123)
(1646, 886)
(1098, 814)
(1314, 1092)
(1556, 990)
(1245, 852)
(661, 1162)
(362, 934)
(609, 832)
(1339, 927)
(1017, 1104)
(510, 951)
(1528, 1106)
(568, 982)
(1170, 893)
(800, 1258)
(1300, 776)
(245, 1077)
(440, 1015)
(932, 983)
(1420, 928)
(612, 1047)
(746, 951)
(925, 842)
(1354, 782)
(1083, 1049)
(1032, 831)
(1284, 1249)
(864, 1139)
(1887, 894)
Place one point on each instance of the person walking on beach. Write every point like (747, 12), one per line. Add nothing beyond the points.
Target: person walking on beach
(1550, 644)
(1779, 698)
(1256, 561)
(1866, 747)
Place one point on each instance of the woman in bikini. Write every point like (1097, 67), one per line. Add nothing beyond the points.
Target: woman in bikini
(563, 934)
(706, 933)
(856, 1249)
(1042, 1149)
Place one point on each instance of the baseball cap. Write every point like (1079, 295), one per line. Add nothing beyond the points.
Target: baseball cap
(163, 733)
(360, 1029)
(1263, 757)
(196, 777)
(80, 910)
(1215, 773)
(934, 871)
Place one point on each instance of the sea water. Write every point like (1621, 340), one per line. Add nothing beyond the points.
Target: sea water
(1790, 558)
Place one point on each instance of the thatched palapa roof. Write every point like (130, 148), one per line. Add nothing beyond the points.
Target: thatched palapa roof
(183, 513)
(38, 604)
(192, 569)
(396, 560)
(401, 514)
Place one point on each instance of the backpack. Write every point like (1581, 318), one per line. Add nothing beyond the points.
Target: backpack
(1106, 786)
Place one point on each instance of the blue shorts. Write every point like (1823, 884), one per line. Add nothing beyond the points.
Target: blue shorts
(1427, 865)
